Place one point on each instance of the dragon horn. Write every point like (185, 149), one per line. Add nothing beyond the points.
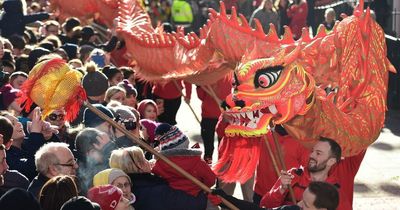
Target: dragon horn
(259, 28)
(272, 36)
(292, 55)
(360, 9)
(321, 32)
(233, 17)
(244, 21)
(222, 9)
(305, 35)
(287, 36)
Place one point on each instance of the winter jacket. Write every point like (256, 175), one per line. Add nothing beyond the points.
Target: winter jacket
(298, 18)
(23, 160)
(13, 21)
(170, 91)
(153, 193)
(190, 161)
(342, 175)
(209, 107)
(36, 185)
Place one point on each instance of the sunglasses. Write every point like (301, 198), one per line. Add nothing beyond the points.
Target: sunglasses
(54, 117)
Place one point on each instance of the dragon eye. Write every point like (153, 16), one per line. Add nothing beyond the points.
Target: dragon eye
(264, 81)
(265, 78)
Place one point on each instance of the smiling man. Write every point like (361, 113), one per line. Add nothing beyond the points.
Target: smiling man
(324, 165)
(317, 196)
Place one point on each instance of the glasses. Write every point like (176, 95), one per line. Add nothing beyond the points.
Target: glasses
(54, 117)
(75, 161)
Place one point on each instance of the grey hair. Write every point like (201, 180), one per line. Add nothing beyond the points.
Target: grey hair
(46, 156)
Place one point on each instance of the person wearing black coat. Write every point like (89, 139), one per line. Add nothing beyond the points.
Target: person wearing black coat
(13, 20)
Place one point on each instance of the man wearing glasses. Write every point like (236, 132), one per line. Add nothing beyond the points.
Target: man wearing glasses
(51, 160)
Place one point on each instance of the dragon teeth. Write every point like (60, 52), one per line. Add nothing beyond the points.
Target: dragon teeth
(250, 115)
(273, 109)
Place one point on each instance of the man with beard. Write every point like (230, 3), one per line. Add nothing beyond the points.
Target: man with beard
(3, 163)
(324, 165)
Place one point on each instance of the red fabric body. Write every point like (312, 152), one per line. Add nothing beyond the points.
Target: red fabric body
(295, 155)
(170, 91)
(209, 107)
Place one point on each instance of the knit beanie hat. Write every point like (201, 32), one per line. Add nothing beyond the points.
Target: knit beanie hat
(124, 112)
(107, 196)
(9, 94)
(91, 120)
(80, 203)
(171, 137)
(130, 90)
(108, 176)
(94, 82)
(10, 200)
(150, 126)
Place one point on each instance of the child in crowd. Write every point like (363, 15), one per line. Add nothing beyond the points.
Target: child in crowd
(174, 145)
(131, 93)
(109, 197)
(113, 74)
(117, 178)
(115, 93)
(148, 109)
(148, 128)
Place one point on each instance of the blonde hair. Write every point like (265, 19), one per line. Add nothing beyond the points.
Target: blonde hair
(130, 160)
(112, 91)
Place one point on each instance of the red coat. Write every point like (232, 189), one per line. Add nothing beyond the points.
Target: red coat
(298, 18)
(170, 91)
(191, 162)
(209, 107)
(295, 155)
(341, 175)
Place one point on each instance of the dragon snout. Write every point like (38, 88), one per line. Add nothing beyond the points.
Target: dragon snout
(232, 101)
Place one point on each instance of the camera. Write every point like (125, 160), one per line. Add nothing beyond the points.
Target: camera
(129, 124)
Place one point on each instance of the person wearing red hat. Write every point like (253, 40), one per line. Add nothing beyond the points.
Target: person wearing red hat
(109, 197)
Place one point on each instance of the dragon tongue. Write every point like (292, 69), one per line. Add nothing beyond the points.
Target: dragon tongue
(265, 110)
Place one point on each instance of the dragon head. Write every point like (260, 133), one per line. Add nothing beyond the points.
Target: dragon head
(266, 90)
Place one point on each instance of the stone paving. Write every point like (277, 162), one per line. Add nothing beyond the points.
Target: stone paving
(377, 184)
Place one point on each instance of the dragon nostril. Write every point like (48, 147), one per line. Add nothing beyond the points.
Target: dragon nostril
(240, 103)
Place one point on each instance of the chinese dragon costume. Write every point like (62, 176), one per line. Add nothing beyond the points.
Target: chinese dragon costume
(277, 80)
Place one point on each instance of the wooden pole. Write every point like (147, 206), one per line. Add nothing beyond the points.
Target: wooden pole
(154, 152)
(272, 156)
(282, 162)
(190, 106)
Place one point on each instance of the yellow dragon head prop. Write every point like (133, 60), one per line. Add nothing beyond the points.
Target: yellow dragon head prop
(52, 85)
